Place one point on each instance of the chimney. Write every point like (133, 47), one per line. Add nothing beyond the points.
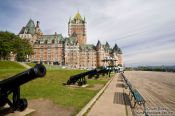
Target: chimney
(37, 24)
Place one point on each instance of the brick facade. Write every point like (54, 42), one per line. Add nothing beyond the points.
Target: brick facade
(69, 51)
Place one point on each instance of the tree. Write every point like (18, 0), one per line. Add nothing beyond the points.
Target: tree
(23, 49)
(6, 39)
(10, 42)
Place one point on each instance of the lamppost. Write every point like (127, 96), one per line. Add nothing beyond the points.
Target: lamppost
(111, 63)
(110, 60)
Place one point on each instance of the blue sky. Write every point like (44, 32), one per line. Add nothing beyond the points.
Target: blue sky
(144, 29)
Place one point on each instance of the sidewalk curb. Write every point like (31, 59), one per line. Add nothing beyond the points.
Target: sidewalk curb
(93, 100)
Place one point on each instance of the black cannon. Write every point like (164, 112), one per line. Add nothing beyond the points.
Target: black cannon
(104, 71)
(80, 78)
(12, 85)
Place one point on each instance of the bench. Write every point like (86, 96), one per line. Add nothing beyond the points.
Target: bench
(135, 94)
(129, 86)
(138, 99)
(124, 78)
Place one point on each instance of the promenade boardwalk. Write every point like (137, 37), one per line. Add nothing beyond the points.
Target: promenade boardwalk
(111, 102)
(158, 90)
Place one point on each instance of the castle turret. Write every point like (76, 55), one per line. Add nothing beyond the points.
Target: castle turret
(117, 54)
(28, 31)
(107, 45)
(37, 29)
(100, 54)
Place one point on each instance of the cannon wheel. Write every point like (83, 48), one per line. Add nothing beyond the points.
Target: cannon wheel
(80, 83)
(68, 82)
(3, 99)
(84, 82)
(2, 102)
(22, 104)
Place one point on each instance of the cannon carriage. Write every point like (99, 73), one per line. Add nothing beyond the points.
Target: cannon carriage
(12, 86)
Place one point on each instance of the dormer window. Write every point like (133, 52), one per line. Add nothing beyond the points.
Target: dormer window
(25, 31)
(53, 41)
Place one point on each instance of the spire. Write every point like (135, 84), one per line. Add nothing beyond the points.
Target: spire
(115, 49)
(77, 19)
(98, 46)
(120, 51)
(30, 27)
(107, 44)
(30, 23)
(78, 16)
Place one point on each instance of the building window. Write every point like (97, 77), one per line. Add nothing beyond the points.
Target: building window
(41, 54)
(48, 54)
(53, 41)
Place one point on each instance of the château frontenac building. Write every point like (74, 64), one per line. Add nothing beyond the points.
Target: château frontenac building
(71, 51)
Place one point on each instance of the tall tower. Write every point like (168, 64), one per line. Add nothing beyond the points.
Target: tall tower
(76, 28)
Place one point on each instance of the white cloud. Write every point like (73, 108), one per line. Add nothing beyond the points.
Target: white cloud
(140, 27)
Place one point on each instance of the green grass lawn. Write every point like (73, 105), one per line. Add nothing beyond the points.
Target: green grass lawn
(8, 68)
(10, 65)
(51, 87)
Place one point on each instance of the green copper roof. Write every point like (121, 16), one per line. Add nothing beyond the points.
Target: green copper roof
(30, 23)
(87, 47)
(77, 16)
(31, 27)
(47, 39)
(70, 40)
(77, 19)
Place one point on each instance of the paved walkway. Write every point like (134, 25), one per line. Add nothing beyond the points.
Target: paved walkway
(24, 65)
(111, 102)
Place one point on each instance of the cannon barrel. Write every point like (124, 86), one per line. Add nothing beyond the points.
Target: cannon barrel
(38, 71)
(12, 85)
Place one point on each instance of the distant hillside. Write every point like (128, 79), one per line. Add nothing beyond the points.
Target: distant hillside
(170, 67)
(10, 65)
(153, 68)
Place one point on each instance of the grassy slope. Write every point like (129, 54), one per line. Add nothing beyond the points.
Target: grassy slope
(51, 87)
(8, 68)
(10, 65)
